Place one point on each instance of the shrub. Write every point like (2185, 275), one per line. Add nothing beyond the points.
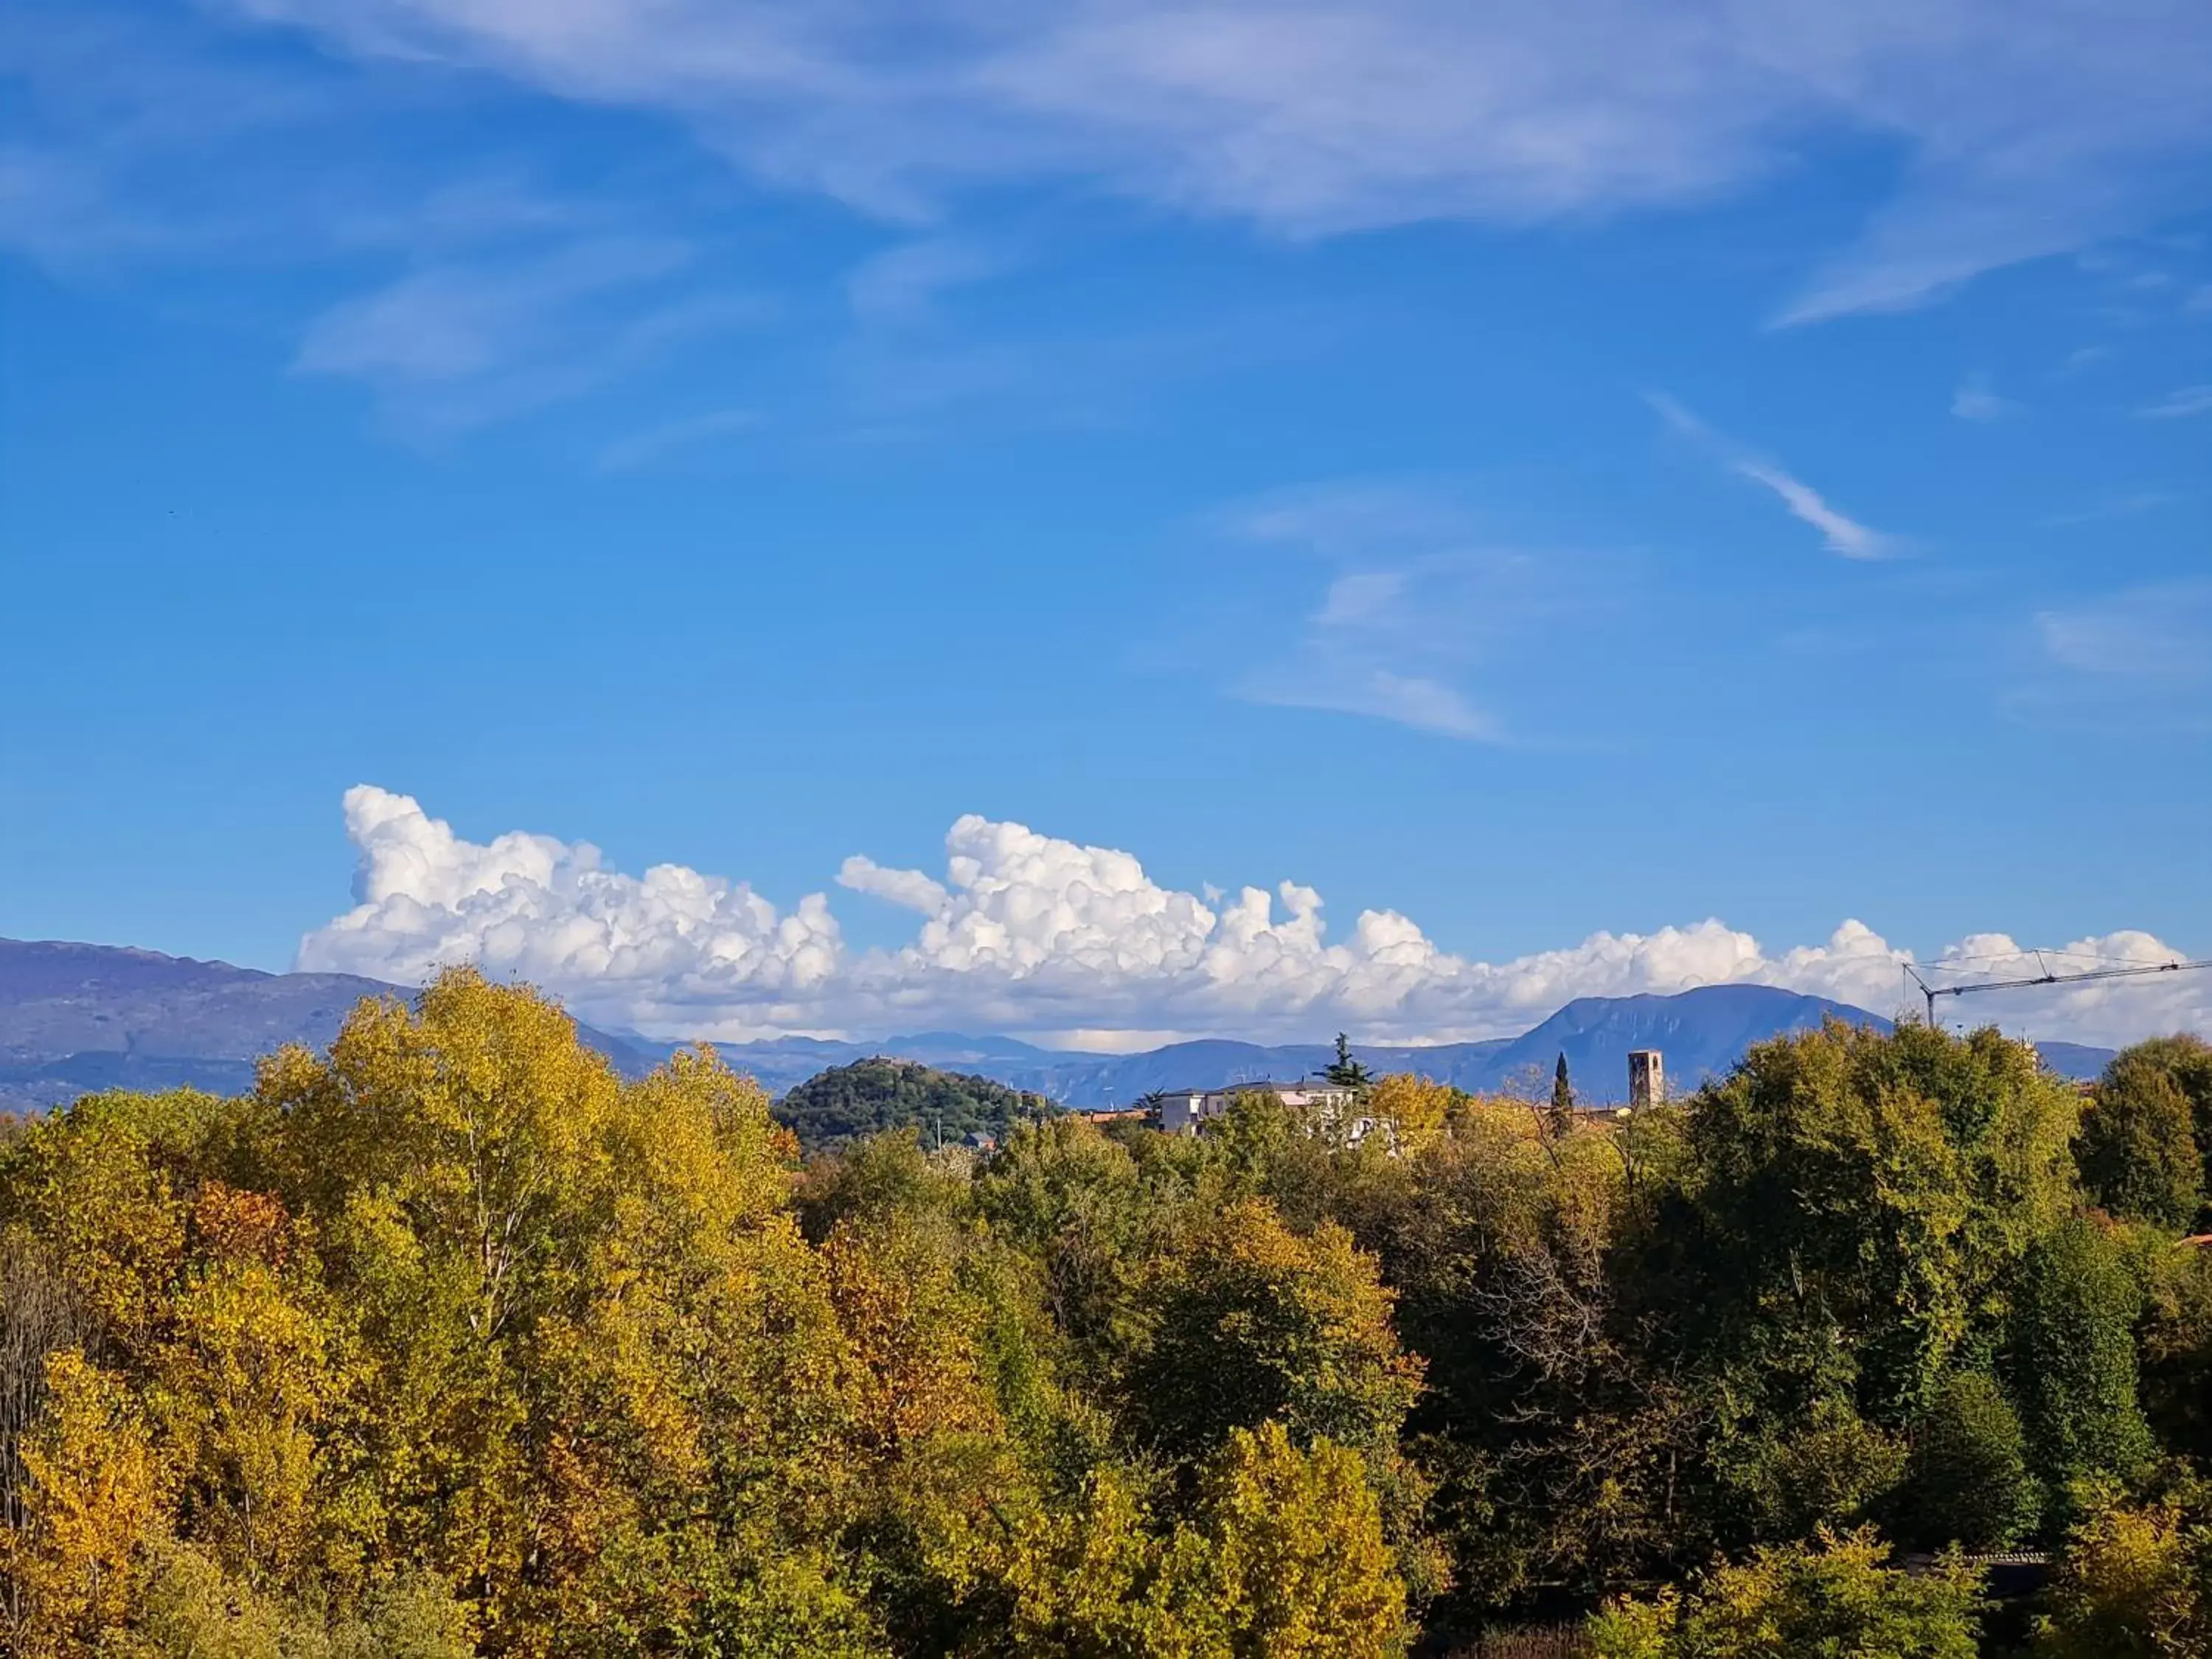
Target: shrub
(1832, 1598)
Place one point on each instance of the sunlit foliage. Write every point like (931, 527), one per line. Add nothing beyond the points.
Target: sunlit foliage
(450, 1341)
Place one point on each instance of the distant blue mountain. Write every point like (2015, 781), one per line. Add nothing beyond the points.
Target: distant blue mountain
(1701, 1032)
(2074, 1059)
(78, 1019)
(74, 1018)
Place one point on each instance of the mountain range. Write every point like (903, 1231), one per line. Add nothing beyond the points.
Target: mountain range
(74, 1018)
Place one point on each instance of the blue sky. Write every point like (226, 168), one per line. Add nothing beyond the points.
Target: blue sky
(1548, 478)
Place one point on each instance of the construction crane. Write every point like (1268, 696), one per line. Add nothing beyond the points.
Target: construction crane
(2047, 977)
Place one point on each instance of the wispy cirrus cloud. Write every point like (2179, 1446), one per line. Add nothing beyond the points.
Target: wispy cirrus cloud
(2025, 129)
(1839, 532)
(2138, 659)
(2179, 404)
(902, 282)
(463, 282)
(2020, 129)
(457, 343)
(1419, 612)
(673, 438)
(1346, 684)
(2158, 634)
(1975, 400)
(2118, 504)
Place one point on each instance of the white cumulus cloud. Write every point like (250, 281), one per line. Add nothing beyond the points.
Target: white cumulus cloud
(668, 951)
(1027, 932)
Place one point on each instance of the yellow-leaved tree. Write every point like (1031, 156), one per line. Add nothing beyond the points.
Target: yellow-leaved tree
(1417, 1108)
(94, 1499)
(1283, 1557)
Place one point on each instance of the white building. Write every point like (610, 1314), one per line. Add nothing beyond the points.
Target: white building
(1182, 1110)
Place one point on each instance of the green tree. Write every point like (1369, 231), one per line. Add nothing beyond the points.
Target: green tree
(1074, 1201)
(1243, 1320)
(1829, 1228)
(878, 1177)
(850, 1103)
(1295, 1156)
(2073, 1359)
(2137, 1151)
(1967, 1479)
(2174, 1350)
(2187, 1061)
(1830, 1466)
(1347, 1071)
(1835, 1597)
(1562, 1101)
(1855, 1207)
(1565, 1454)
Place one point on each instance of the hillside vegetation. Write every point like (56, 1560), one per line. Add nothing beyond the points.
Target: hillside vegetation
(451, 1340)
(847, 1103)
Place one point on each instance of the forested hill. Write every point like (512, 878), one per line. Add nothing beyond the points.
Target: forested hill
(849, 1102)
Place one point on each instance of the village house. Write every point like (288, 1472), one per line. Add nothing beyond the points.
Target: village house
(1182, 1110)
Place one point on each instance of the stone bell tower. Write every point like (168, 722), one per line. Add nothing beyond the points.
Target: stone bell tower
(1647, 1078)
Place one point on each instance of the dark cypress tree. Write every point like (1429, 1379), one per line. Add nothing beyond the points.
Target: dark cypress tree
(1562, 1101)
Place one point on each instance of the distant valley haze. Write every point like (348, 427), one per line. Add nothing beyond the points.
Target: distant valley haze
(80, 1018)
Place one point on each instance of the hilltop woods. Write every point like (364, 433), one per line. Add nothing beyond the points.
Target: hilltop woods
(451, 1341)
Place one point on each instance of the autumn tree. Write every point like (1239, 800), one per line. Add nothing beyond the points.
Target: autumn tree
(95, 1498)
(2135, 1580)
(39, 1320)
(1417, 1111)
(1285, 1553)
(450, 1341)
(1834, 1595)
(240, 1385)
